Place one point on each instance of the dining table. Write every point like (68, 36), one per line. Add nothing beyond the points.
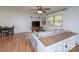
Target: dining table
(4, 29)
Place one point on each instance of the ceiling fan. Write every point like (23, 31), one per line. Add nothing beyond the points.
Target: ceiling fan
(40, 9)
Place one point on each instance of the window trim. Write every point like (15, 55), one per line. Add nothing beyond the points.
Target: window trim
(49, 21)
(62, 21)
(54, 20)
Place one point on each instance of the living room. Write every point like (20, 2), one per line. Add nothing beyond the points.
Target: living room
(22, 17)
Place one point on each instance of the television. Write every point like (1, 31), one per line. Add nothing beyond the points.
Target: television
(36, 23)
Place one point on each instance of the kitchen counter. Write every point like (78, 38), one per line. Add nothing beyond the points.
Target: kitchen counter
(49, 40)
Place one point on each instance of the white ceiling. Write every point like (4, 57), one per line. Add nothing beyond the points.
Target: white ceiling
(28, 8)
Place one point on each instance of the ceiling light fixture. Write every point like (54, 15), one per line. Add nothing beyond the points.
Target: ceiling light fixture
(39, 12)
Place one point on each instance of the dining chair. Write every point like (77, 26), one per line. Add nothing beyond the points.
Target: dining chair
(7, 31)
(4, 32)
(0, 33)
(12, 30)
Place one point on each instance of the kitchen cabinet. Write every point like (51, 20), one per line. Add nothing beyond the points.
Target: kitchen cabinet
(60, 46)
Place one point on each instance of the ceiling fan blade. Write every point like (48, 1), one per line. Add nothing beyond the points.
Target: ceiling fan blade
(46, 9)
(39, 7)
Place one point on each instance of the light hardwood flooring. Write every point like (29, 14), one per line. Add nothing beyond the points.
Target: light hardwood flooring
(75, 49)
(15, 43)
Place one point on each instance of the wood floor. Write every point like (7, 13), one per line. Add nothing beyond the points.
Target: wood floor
(15, 43)
(75, 49)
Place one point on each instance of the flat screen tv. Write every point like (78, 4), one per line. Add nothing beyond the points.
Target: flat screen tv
(36, 23)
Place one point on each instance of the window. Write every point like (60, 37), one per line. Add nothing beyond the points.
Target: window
(56, 20)
(51, 20)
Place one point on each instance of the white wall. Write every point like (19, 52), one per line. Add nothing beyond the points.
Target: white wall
(71, 19)
(21, 20)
